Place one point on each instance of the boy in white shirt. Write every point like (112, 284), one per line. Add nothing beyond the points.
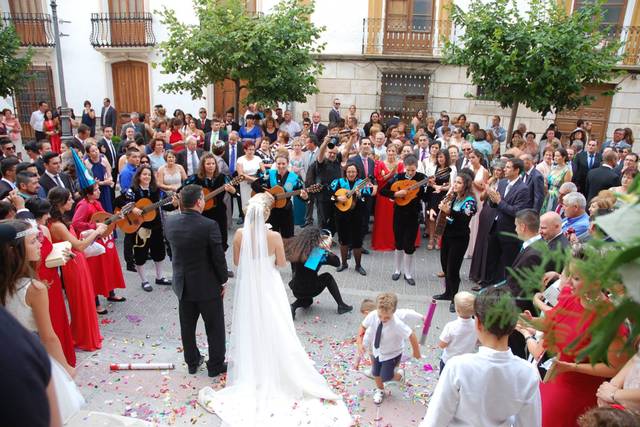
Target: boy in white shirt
(387, 343)
(493, 387)
(459, 336)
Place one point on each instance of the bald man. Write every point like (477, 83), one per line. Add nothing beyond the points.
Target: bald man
(551, 232)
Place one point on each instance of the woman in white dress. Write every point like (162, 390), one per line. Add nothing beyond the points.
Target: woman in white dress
(480, 180)
(248, 166)
(170, 176)
(271, 381)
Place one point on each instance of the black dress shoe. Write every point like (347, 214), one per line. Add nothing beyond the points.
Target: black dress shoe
(365, 251)
(361, 270)
(442, 297)
(194, 369)
(341, 268)
(344, 308)
(131, 267)
(452, 308)
(215, 372)
(230, 274)
(163, 281)
(395, 276)
(147, 287)
(410, 281)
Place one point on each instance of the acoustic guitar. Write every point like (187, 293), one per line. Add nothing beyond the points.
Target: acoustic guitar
(441, 220)
(282, 196)
(348, 204)
(209, 195)
(111, 220)
(411, 186)
(131, 222)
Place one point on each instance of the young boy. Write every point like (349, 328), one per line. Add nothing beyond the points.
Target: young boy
(459, 336)
(491, 387)
(387, 343)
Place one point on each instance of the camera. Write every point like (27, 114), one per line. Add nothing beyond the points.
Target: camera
(333, 142)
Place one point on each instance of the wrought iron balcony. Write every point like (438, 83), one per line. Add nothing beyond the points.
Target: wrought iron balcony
(395, 35)
(33, 29)
(122, 30)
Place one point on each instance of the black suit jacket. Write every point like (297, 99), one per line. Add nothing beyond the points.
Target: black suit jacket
(199, 264)
(321, 132)
(234, 126)
(77, 144)
(181, 158)
(204, 127)
(5, 188)
(558, 242)
(222, 135)
(47, 183)
(516, 200)
(528, 258)
(103, 146)
(239, 152)
(580, 165)
(357, 160)
(535, 183)
(334, 116)
(108, 118)
(598, 179)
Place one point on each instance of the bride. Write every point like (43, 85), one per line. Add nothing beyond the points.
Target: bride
(271, 380)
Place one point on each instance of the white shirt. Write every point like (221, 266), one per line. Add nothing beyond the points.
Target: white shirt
(12, 184)
(53, 178)
(381, 152)
(531, 241)
(486, 389)
(37, 121)
(191, 168)
(292, 128)
(394, 332)
(461, 337)
(427, 167)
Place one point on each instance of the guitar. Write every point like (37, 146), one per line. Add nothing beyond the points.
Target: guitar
(131, 222)
(411, 186)
(111, 220)
(281, 196)
(209, 195)
(441, 220)
(348, 204)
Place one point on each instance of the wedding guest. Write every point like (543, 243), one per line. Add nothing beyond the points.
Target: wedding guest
(559, 174)
(459, 336)
(480, 180)
(89, 118)
(171, 175)
(176, 137)
(157, 155)
(545, 165)
(101, 171)
(382, 237)
(52, 131)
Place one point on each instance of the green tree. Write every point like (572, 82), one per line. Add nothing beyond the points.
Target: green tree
(272, 54)
(13, 63)
(542, 58)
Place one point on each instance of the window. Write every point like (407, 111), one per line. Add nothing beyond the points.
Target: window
(408, 26)
(126, 6)
(25, 6)
(38, 88)
(614, 11)
(403, 94)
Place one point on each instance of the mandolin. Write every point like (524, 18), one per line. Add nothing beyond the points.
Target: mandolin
(348, 204)
(111, 220)
(131, 222)
(209, 195)
(441, 220)
(411, 186)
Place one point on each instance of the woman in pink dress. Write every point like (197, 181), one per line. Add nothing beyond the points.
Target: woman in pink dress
(75, 273)
(382, 238)
(106, 271)
(480, 180)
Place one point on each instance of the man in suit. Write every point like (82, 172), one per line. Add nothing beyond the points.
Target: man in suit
(317, 128)
(464, 162)
(106, 147)
(422, 150)
(80, 137)
(534, 180)
(334, 114)
(511, 197)
(108, 115)
(53, 175)
(215, 136)
(365, 165)
(135, 124)
(583, 162)
(551, 232)
(602, 178)
(199, 279)
(189, 158)
(203, 123)
(630, 162)
(8, 169)
(309, 166)
(230, 125)
(232, 152)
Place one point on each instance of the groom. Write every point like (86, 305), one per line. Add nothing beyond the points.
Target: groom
(199, 279)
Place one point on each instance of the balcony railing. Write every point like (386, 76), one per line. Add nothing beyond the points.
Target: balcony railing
(630, 36)
(399, 36)
(122, 30)
(33, 29)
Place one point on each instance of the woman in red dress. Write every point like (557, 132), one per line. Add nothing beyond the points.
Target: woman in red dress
(106, 269)
(40, 209)
(382, 238)
(51, 129)
(573, 391)
(176, 137)
(75, 273)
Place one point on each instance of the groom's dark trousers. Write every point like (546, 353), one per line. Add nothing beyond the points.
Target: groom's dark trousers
(199, 273)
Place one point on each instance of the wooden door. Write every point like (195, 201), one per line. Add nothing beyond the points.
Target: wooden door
(38, 88)
(224, 97)
(408, 26)
(127, 24)
(28, 20)
(131, 87)
(597, 113)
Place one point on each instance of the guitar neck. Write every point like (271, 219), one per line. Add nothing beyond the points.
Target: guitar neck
(157, 204)
(214, 193)
(357, 187)
(418, 184)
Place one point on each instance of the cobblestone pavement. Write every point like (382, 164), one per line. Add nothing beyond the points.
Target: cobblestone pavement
(145, 328)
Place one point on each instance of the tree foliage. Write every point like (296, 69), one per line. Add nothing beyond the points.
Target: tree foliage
(13, 63)
(542, 58)
(272, 54)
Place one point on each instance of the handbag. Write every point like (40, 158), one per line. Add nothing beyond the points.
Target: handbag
(94, 249)
(56, 258)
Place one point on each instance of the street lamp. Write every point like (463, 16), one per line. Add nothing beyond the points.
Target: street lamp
(65, 112)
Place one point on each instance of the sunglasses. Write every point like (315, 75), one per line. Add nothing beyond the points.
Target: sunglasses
(12, 147)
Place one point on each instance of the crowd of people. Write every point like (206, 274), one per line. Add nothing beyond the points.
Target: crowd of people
(443, 180)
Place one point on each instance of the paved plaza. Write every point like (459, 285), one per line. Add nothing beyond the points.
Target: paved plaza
(146, 329)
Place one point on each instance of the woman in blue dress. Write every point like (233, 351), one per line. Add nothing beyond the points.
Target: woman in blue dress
(250, 130)
(296, 165)
(89, 118)
(101, 170)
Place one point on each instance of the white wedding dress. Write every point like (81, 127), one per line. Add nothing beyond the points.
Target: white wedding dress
(271, 381)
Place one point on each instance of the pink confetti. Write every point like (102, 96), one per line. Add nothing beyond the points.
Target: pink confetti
(427, 368)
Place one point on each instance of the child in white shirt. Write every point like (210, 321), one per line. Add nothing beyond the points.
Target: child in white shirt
(386, 343)
(459, 336)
